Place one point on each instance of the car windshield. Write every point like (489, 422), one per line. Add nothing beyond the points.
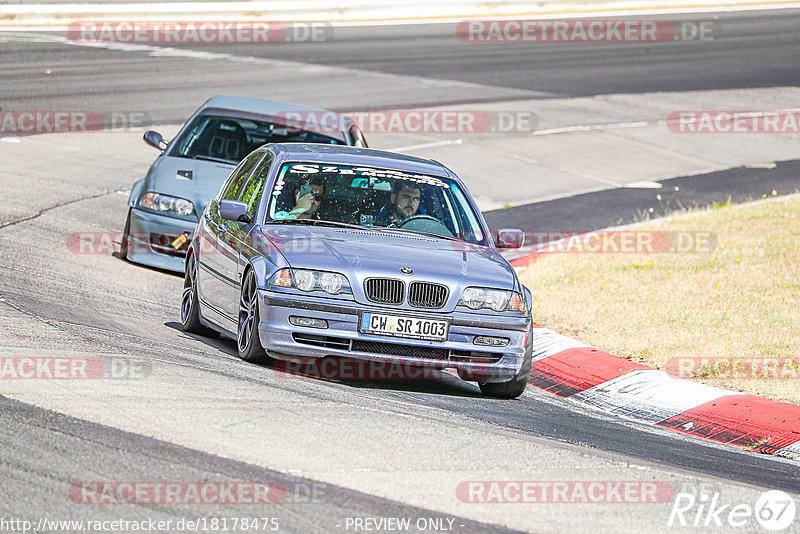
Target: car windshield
(381, 199)
(230, 139)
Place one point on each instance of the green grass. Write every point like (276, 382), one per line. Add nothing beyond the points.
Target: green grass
(739, 301)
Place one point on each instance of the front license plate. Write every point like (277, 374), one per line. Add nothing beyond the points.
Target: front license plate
(400, 326)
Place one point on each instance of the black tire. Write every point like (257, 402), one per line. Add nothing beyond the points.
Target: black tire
(514, 387)
(190, 310)
(126, 237)
(247, 341)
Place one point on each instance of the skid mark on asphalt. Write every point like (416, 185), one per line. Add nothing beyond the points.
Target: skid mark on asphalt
(11, 333)
(50, 208)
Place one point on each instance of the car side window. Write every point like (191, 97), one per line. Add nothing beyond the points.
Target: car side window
(252, 191)
(237, 179)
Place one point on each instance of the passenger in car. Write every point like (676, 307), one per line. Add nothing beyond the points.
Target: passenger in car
(308, 197)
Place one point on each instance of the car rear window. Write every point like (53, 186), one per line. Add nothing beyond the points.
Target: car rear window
(230, 139)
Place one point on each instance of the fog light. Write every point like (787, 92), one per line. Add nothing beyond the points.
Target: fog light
(309, 322)
(488, 341)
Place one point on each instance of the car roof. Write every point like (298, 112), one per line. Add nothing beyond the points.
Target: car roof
(261, 106)
(349, 155)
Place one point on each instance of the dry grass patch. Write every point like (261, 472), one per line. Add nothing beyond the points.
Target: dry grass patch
(729, 318)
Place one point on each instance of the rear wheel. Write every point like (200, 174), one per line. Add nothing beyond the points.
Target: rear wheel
(514, 387)
(247, 341)
(190, 310)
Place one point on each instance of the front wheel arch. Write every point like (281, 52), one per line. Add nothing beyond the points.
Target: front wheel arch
(136, 191)
(528, 299)
(248, 343)
(514, 387)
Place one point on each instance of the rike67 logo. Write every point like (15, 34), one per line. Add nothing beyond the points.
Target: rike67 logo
(773, 510)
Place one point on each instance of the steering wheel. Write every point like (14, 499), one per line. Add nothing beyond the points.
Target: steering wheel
(400, 224)
(433, 226)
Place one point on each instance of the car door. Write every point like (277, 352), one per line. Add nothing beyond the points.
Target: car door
(239, 235)
(219, 258)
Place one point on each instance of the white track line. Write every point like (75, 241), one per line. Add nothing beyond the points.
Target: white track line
(191, 9)
(426, 145)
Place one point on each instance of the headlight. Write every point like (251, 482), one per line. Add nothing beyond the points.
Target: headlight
(159, 202)
(307, 280)
(498, 300)
(330, 282)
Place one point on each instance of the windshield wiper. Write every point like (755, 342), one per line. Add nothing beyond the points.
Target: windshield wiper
(430, 234)
(210, 158)
(314, 222)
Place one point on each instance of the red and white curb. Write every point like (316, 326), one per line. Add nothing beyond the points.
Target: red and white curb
(570, 369)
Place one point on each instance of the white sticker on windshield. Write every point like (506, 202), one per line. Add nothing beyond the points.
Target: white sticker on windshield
(302, 168)
(281, 215)
(370, 172)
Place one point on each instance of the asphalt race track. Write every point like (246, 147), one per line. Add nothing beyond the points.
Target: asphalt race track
(184, 408)
(749, 50)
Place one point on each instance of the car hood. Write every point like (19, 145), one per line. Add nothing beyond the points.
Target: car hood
(362, 254)
(170, 176)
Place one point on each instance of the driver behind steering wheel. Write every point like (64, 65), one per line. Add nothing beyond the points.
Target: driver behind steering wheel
(403, 203)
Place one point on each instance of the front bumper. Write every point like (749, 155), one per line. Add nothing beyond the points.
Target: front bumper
(151, 235)
(342, 338)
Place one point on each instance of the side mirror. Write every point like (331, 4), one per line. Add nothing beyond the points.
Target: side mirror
(510, 238)
(155, 139)
(234, 210)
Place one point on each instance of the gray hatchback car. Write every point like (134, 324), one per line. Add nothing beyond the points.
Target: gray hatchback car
(314, 251)
(165, 205)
